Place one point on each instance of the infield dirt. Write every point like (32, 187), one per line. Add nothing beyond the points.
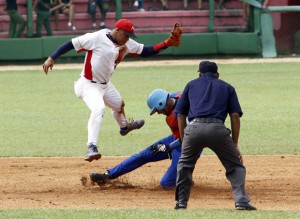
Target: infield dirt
(272, 183)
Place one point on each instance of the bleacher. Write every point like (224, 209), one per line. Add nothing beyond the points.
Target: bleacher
(152, 20)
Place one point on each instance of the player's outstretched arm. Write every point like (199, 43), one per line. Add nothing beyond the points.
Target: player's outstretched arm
(64, 48)
(172, 40)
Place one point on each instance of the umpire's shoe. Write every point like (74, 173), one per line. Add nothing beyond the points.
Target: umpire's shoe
(134, 124)
(92, 153)
(179, 206)
(99, 178)
(244, 206)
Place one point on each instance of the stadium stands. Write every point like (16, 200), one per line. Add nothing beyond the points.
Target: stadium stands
(152, 20)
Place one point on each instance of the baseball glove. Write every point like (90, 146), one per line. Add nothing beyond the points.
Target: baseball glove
(174, 38)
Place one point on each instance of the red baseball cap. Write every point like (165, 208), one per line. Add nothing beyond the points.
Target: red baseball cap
(126, 26)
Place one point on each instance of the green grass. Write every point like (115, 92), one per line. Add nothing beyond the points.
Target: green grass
(146, 214)
(41, 116)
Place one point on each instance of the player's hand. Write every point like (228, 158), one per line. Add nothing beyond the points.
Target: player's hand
(160, 148)
(48, 64)
(175, 37)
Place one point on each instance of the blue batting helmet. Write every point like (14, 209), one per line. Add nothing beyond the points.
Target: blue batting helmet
(157, 100)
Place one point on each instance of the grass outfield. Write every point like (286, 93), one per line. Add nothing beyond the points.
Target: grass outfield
(40, 116)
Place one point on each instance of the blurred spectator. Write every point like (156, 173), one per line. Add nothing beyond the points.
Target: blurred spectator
(221, 4)
(67, 8)
(164, 4)
(56, 5)
(17, 23)
(139, 5)
(44, 9)
(103, 8)
(185, 4)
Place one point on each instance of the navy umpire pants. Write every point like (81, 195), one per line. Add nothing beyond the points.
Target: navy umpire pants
(197, 135)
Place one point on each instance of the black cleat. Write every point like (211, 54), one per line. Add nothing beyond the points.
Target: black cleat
(244, 206)
(99, 178)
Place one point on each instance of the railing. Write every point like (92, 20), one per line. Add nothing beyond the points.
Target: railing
(265, 25)
(29, 19)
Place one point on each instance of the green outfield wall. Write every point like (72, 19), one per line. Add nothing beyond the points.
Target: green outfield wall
(191, 44)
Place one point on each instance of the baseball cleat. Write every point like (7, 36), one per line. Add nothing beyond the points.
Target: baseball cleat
(99, 178)
(244, 206)
(134, 124)
(92, 153)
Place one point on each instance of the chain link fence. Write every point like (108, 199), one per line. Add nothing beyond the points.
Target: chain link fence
(287, 32)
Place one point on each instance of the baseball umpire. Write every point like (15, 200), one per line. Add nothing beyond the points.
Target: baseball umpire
(206, 101)
(105, 49)
(162, 102)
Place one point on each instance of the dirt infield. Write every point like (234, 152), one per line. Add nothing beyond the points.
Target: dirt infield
(272, 183)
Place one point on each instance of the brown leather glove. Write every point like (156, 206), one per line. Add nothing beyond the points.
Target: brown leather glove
(177, 30)
(174, 38)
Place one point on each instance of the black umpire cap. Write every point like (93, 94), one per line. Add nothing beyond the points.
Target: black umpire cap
(207, 66)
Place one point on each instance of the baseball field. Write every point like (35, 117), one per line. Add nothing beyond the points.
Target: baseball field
(43, 137)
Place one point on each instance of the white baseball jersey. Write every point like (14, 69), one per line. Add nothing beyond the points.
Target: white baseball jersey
(102, 55)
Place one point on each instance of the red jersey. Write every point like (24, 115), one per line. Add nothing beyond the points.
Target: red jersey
(171, 119)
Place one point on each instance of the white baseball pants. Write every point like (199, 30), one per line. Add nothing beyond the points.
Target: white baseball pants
(97, 96)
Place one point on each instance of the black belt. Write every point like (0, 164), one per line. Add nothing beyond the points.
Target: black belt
(207, 120)
(95, 82)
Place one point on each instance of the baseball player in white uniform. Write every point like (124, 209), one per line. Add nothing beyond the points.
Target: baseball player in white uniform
(105, 49)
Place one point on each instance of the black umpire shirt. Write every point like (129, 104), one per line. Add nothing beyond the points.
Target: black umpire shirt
(208, 97)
